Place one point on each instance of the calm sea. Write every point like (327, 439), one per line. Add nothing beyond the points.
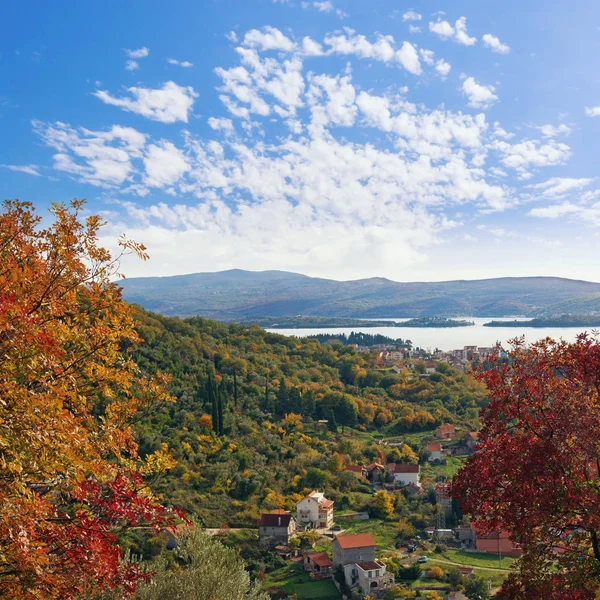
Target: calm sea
(453, 337)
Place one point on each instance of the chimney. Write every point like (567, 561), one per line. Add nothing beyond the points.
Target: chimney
(279, 521)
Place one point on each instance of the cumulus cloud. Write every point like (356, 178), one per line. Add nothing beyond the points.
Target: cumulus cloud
(382, 49)
(478, 95)
(29, 169)
(101, 158)
(594, 111)
(326, 6)
(458, 32)
(554, 130)
(164, 164)
(307, 168)
(269, 38)
(131, 65)
(181, 63)
(411, 15)
(168, 104)
(492, 42)
(139, 53)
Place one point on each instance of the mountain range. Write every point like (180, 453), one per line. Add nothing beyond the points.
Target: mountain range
(239, 295)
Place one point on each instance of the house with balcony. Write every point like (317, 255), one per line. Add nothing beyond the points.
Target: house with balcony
(370, 577)
(315, 511)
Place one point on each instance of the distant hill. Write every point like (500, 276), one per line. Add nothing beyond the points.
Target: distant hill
(238, 294)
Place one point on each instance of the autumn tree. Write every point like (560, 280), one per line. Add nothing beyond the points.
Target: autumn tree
(71, 479)
(536, 471)
(383, 504)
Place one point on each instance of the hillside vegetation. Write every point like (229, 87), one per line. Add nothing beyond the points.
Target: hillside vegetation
(245, 427)
(237, 295)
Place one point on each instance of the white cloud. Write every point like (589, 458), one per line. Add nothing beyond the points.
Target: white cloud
(554, 130)
(220, 124)
(408, 57)
(462, 37)
(326, 6)
(492, 42)
(411, 15)
(168, 104)
(594, 111)
(555, 211)
(556, 187)
(382, 49)
(164, 164)
(414, 29)
(232, 36)
(269, 38)
(181, 63)
(28, 169)
(443, 67)
(442, 29)
(311, 48)
(531, 153)
(139, 53)
(131, 65)
(458, 33)
(478, 95)
(101, 158)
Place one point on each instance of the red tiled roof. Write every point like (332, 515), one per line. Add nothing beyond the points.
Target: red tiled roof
(360, 540)
(391, 466)
(407, 468)
(355, 468)
(435, 447)
(374, 466)
(444, 428)
(473, 434)
(321, 558)
(327, 503)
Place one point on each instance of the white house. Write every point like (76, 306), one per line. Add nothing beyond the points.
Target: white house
(370, 576)
(315, 511)
(435, 450)
(405, 474)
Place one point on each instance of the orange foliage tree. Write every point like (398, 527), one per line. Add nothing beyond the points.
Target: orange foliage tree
(70, 477)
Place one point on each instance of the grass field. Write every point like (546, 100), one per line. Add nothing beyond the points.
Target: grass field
(292, 579)
(475, 559)
(383, 532)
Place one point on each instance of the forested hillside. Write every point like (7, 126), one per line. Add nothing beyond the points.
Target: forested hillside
(245, 295)
(245, 427)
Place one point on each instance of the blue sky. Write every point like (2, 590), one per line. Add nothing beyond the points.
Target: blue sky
(337, 138)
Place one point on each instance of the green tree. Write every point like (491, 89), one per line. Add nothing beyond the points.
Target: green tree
(202, 569)
(477, 589)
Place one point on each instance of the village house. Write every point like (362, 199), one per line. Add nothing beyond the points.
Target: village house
(370, 577)
(375, 472)
(445, 432)
(318, 563)
(497, 542)
(465, 535)
(315, 511)
(359, 471)
(435, 451)
(406, 474)
(469, 442)
(351, 549)
(276, 528)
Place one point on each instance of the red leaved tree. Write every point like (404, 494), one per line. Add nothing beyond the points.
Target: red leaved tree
(536, 470)
(70, 477)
